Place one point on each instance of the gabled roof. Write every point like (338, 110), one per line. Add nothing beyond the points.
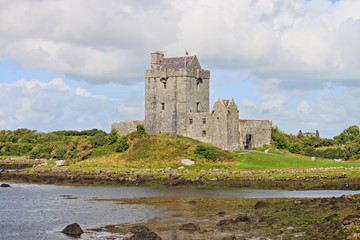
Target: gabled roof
(180, 62)
(225, 101)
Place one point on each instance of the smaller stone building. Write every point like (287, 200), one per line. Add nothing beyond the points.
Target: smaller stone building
(177, 102)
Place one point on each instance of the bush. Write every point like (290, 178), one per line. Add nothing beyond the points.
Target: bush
(212, 153)
(122, 144)
(113, 136)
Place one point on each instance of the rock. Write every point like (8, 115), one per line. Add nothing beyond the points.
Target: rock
(60, 163)
(145, 236)
(192, 202)
(187, 162)
(5, 185)
(261, 204)
(354, 236)
(221, 214)
(73, 230)
(139, 229)
(351, 220)
(242, 218)
(189, 227)
(225, 222)
(331, 217)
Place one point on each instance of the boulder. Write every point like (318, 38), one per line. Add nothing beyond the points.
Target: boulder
(145, 236)
(242, 218)
(60, 163)
(5, 185)
(73, 230)
(189, 227)
(225, 222)
(187, 162)
(139, 229)
(351, 220)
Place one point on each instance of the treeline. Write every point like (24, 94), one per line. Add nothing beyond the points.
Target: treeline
(345, 146)
(70, 145)
(76, 145)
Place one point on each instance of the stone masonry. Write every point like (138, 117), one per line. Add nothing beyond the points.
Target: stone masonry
(177, 102)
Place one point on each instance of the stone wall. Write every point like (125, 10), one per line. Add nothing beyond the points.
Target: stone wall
(198, 126)
(260, 131)
(126, 127)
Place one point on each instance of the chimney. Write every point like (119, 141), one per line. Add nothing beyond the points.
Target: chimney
(156, 59)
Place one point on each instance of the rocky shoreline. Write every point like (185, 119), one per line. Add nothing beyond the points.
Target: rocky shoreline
(302, 179)
(241, 219)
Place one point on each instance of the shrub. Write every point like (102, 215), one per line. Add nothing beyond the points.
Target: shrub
(113, 136)
(122, 144)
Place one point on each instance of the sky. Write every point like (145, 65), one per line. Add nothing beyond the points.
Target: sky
(75, 65)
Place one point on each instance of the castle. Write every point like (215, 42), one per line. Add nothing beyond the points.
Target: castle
(177, 102)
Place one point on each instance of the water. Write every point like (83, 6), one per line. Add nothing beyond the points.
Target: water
(34, 211)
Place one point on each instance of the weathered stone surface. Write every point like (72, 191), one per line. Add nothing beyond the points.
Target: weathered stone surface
(5, 185)
(145, 236)
(73, 230)
(187, 162)
(139, 228)
(189, 227)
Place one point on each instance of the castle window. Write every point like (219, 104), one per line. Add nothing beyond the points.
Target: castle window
(204, 133)
(204, 120)
(190, 121)
(163, 81)
(162, 106)
(198, 107)
(199, 81)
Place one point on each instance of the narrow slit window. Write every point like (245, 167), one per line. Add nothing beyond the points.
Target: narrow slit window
(190, 121)
(164, 82)
(199, 81)
(204, 120)
(162, 106)
(198, 107)
(204, 133)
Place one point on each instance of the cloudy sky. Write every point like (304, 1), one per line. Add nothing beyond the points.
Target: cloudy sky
(69, 64)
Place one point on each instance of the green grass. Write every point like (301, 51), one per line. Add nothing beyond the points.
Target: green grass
(257, 160)
(161, 151)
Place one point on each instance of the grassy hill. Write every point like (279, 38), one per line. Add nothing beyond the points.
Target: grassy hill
(161, 151)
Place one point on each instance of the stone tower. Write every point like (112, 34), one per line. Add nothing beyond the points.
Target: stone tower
(177, 102)
(174, 87)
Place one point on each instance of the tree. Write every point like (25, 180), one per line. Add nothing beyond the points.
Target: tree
(300, 134)
(347, 135)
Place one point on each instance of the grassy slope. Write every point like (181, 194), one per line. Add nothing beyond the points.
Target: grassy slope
(167, 151)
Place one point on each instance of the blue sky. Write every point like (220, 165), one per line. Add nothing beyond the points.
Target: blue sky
(79, 65)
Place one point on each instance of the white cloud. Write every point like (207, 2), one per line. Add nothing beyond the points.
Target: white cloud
(291, 50)
(54, 105)
(111, 40)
